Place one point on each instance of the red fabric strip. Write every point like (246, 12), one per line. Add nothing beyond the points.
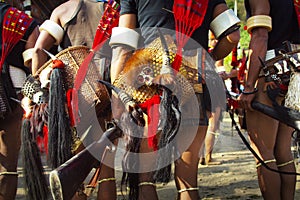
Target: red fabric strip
(152, 108)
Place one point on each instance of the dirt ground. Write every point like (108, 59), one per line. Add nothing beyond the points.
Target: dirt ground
(235, 178)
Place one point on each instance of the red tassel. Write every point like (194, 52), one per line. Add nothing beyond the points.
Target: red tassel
(42, 141)
(177, 62)
(152, 108)
(58, 64)
(45, 131)
(39, 143)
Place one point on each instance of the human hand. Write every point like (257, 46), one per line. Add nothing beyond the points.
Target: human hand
(223, 75)
(246, 98)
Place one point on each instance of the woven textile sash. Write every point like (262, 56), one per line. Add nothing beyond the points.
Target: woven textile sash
(297, 8)
(109, 20)
(15, 24)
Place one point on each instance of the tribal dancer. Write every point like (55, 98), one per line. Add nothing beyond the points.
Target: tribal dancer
(152, 13)
(74, 23)
(269, 84)
(19, 33)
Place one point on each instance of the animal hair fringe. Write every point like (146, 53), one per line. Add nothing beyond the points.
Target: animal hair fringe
(292, 98)
(35, 180)
(60, 133)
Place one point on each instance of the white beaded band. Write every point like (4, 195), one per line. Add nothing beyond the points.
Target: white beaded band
(188, 189)
(256, 21)
(55, 30)
(147, 183)
(9, 173)
(27, 56)
(124, 36)
(223, 22)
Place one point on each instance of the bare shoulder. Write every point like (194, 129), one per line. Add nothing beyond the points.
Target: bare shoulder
(64, 12)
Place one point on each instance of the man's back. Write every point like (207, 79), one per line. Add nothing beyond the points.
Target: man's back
(79, 19)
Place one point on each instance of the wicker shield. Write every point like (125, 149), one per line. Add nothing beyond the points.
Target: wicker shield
(151, 58)
(91, 90)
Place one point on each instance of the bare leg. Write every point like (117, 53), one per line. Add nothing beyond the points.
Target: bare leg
(147, 190)
(202, 154)
(186, 168)
(269, 180)
(107, 181)
(107, 184)
(213, 127)
(263, 142)
(285, 162)
(10, 130)
(209, 144)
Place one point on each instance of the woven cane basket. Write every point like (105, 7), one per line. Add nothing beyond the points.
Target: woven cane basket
(151, 56)
(91, 90)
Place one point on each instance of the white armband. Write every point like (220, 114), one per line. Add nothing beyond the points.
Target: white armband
(125, 36)
(54, 30)
(27, 56)
(220, 69)
(223, 22)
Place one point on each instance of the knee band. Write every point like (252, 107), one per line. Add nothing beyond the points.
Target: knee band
(286, 163)
(9, 173)
(106, 180)
(188, 189)
(266, 162)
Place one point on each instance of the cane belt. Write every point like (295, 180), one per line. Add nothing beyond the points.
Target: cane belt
(284, 69)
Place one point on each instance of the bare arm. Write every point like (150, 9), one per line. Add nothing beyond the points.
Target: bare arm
(32, 38)
(258, 47)
(258, 43)
(60, 15)
(120, 53)
(44, 41)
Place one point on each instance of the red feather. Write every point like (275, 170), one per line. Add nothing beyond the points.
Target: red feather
(189, 15)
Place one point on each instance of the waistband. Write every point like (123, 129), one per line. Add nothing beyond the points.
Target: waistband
(272, 53)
